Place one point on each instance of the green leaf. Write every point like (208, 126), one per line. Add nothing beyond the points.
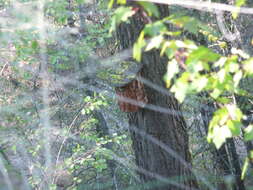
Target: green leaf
(240, 52)
(35, 44)
(233, 67)
(216, 93)
(179, 21)
(234, 112)
(199, 83)
(110, 4)
(192, 26)
(121, 14)
(172, 70)
(202, 54)
(164, 48)
(180, 88)
(122, 2)
(235, 127)
(235, 13)
(223, 115)
(155, 29)
(237, 77)
(240, 3)
(244, 168)
(155, 42)
(221, 62)
(218, 130)
(222, 75)
(137, 49)
(195, 67)
(169, 52)
(248, 66)
(248, 133)
(223, 100)
(220, 134)
(150, 8)
(188, 23)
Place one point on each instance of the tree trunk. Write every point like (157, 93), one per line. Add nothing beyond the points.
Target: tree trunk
(226, 156)
(160, 140)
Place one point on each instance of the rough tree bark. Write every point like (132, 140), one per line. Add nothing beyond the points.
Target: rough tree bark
(150, 128)
(226, 156)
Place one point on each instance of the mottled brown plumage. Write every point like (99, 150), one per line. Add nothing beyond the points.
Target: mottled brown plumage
(133, 91)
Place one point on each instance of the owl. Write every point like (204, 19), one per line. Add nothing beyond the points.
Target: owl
(133, 91)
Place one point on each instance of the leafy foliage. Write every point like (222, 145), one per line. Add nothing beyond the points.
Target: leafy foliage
(193, 68)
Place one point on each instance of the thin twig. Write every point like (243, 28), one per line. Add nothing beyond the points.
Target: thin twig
(203, 6)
